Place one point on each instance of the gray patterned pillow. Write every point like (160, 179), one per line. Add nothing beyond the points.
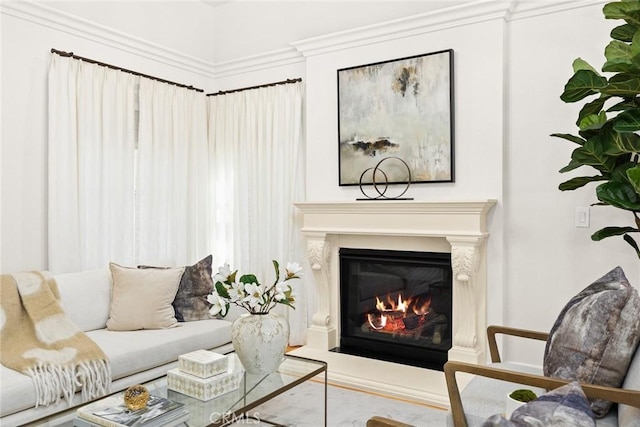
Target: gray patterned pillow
(565, 406)
(595, 335)
(191, 300)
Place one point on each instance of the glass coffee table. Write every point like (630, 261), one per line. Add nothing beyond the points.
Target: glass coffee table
(254, 390)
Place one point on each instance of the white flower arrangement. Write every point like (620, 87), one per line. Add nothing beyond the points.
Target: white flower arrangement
(250, 294)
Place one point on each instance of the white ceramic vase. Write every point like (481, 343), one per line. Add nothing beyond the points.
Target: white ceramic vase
(260, 340)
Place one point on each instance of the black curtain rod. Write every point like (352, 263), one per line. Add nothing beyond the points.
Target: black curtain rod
(92, 61)
(284, 82)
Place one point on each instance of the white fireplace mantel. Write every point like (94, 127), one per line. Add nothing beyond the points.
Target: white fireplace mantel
(458, 227)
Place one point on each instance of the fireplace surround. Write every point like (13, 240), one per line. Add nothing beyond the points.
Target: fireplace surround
(458, 228)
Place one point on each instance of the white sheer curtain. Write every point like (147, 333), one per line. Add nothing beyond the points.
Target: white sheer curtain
(173, 182)
(91, 169)
(257, 149)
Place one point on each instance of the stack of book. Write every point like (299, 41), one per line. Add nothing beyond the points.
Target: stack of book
(204, 375)
(112, 412)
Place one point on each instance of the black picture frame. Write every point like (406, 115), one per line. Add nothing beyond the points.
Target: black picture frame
(400, 108)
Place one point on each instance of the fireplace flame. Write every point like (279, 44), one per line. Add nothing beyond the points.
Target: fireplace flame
(392, 315)
(423, 308)
(401, 305)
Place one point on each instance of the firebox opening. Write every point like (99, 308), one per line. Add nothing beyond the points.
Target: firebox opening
(396, 306)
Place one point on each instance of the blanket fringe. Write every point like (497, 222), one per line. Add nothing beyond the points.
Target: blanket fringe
(53, 382)
(95, 377)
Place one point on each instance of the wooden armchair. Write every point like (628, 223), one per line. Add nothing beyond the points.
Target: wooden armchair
(493, 393)
(498, 372)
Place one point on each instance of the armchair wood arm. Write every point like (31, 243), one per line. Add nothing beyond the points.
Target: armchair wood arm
(627, 397)
(385, 422)
(505, 330)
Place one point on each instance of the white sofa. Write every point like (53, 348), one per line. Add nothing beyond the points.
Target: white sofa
(135, 356)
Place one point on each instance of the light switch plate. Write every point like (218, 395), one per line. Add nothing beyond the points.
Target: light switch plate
(582, 217)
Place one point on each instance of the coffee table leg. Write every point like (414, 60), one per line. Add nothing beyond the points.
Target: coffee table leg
(325, 397)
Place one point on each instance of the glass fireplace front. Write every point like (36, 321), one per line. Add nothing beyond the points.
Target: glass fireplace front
(396, 306)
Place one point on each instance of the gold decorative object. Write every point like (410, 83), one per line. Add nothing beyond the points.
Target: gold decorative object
(136, 397)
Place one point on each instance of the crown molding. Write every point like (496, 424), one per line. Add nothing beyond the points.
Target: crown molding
(456, 16)
(528, 9)
(38, 13)
(452, 17)
(272, 59)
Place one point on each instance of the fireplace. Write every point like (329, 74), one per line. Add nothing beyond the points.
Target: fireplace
(458, 229)
(396, 306)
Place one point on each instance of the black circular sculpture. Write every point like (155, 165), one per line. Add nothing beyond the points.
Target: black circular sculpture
(382, 193)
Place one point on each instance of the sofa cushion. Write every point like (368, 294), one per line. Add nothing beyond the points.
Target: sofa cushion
(85, 297)
(196, 283)
(132, 351)
(565, 406)
(141, 299)
(595, 335)
(16, 392)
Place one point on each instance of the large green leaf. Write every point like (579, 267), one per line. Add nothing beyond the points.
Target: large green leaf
(581, 64)
(611, 231)
(618, 194)
(624, 32)
(589, 133)
(623, 10)
(592, 154)
(580, 181)
(593, 121)
(625, 84)
(618, 56)
(593, 107)
(621, 143)
(633, 174)
(627, 121)
(582, 84)
(571, 166)
(635, 44)
(569, 137)
(619, 174)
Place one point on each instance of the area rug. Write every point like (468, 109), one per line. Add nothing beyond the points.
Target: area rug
(302, 407)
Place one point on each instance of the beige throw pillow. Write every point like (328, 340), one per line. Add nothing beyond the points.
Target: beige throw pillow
(141, 298)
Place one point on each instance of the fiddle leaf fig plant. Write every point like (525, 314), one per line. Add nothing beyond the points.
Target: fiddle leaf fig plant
(609, 122)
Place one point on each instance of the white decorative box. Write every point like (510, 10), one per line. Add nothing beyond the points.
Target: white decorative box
(203, 363)
(204, 388)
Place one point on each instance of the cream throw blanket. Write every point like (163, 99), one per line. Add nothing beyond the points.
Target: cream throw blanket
(39, 340)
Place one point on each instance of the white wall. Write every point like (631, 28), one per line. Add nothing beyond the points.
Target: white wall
(548, 259)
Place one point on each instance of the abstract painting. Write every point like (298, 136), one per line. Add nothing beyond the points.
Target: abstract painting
(400, 108)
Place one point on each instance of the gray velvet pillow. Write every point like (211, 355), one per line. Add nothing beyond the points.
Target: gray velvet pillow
(595, 335)
(565, 406)
(191, 300)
